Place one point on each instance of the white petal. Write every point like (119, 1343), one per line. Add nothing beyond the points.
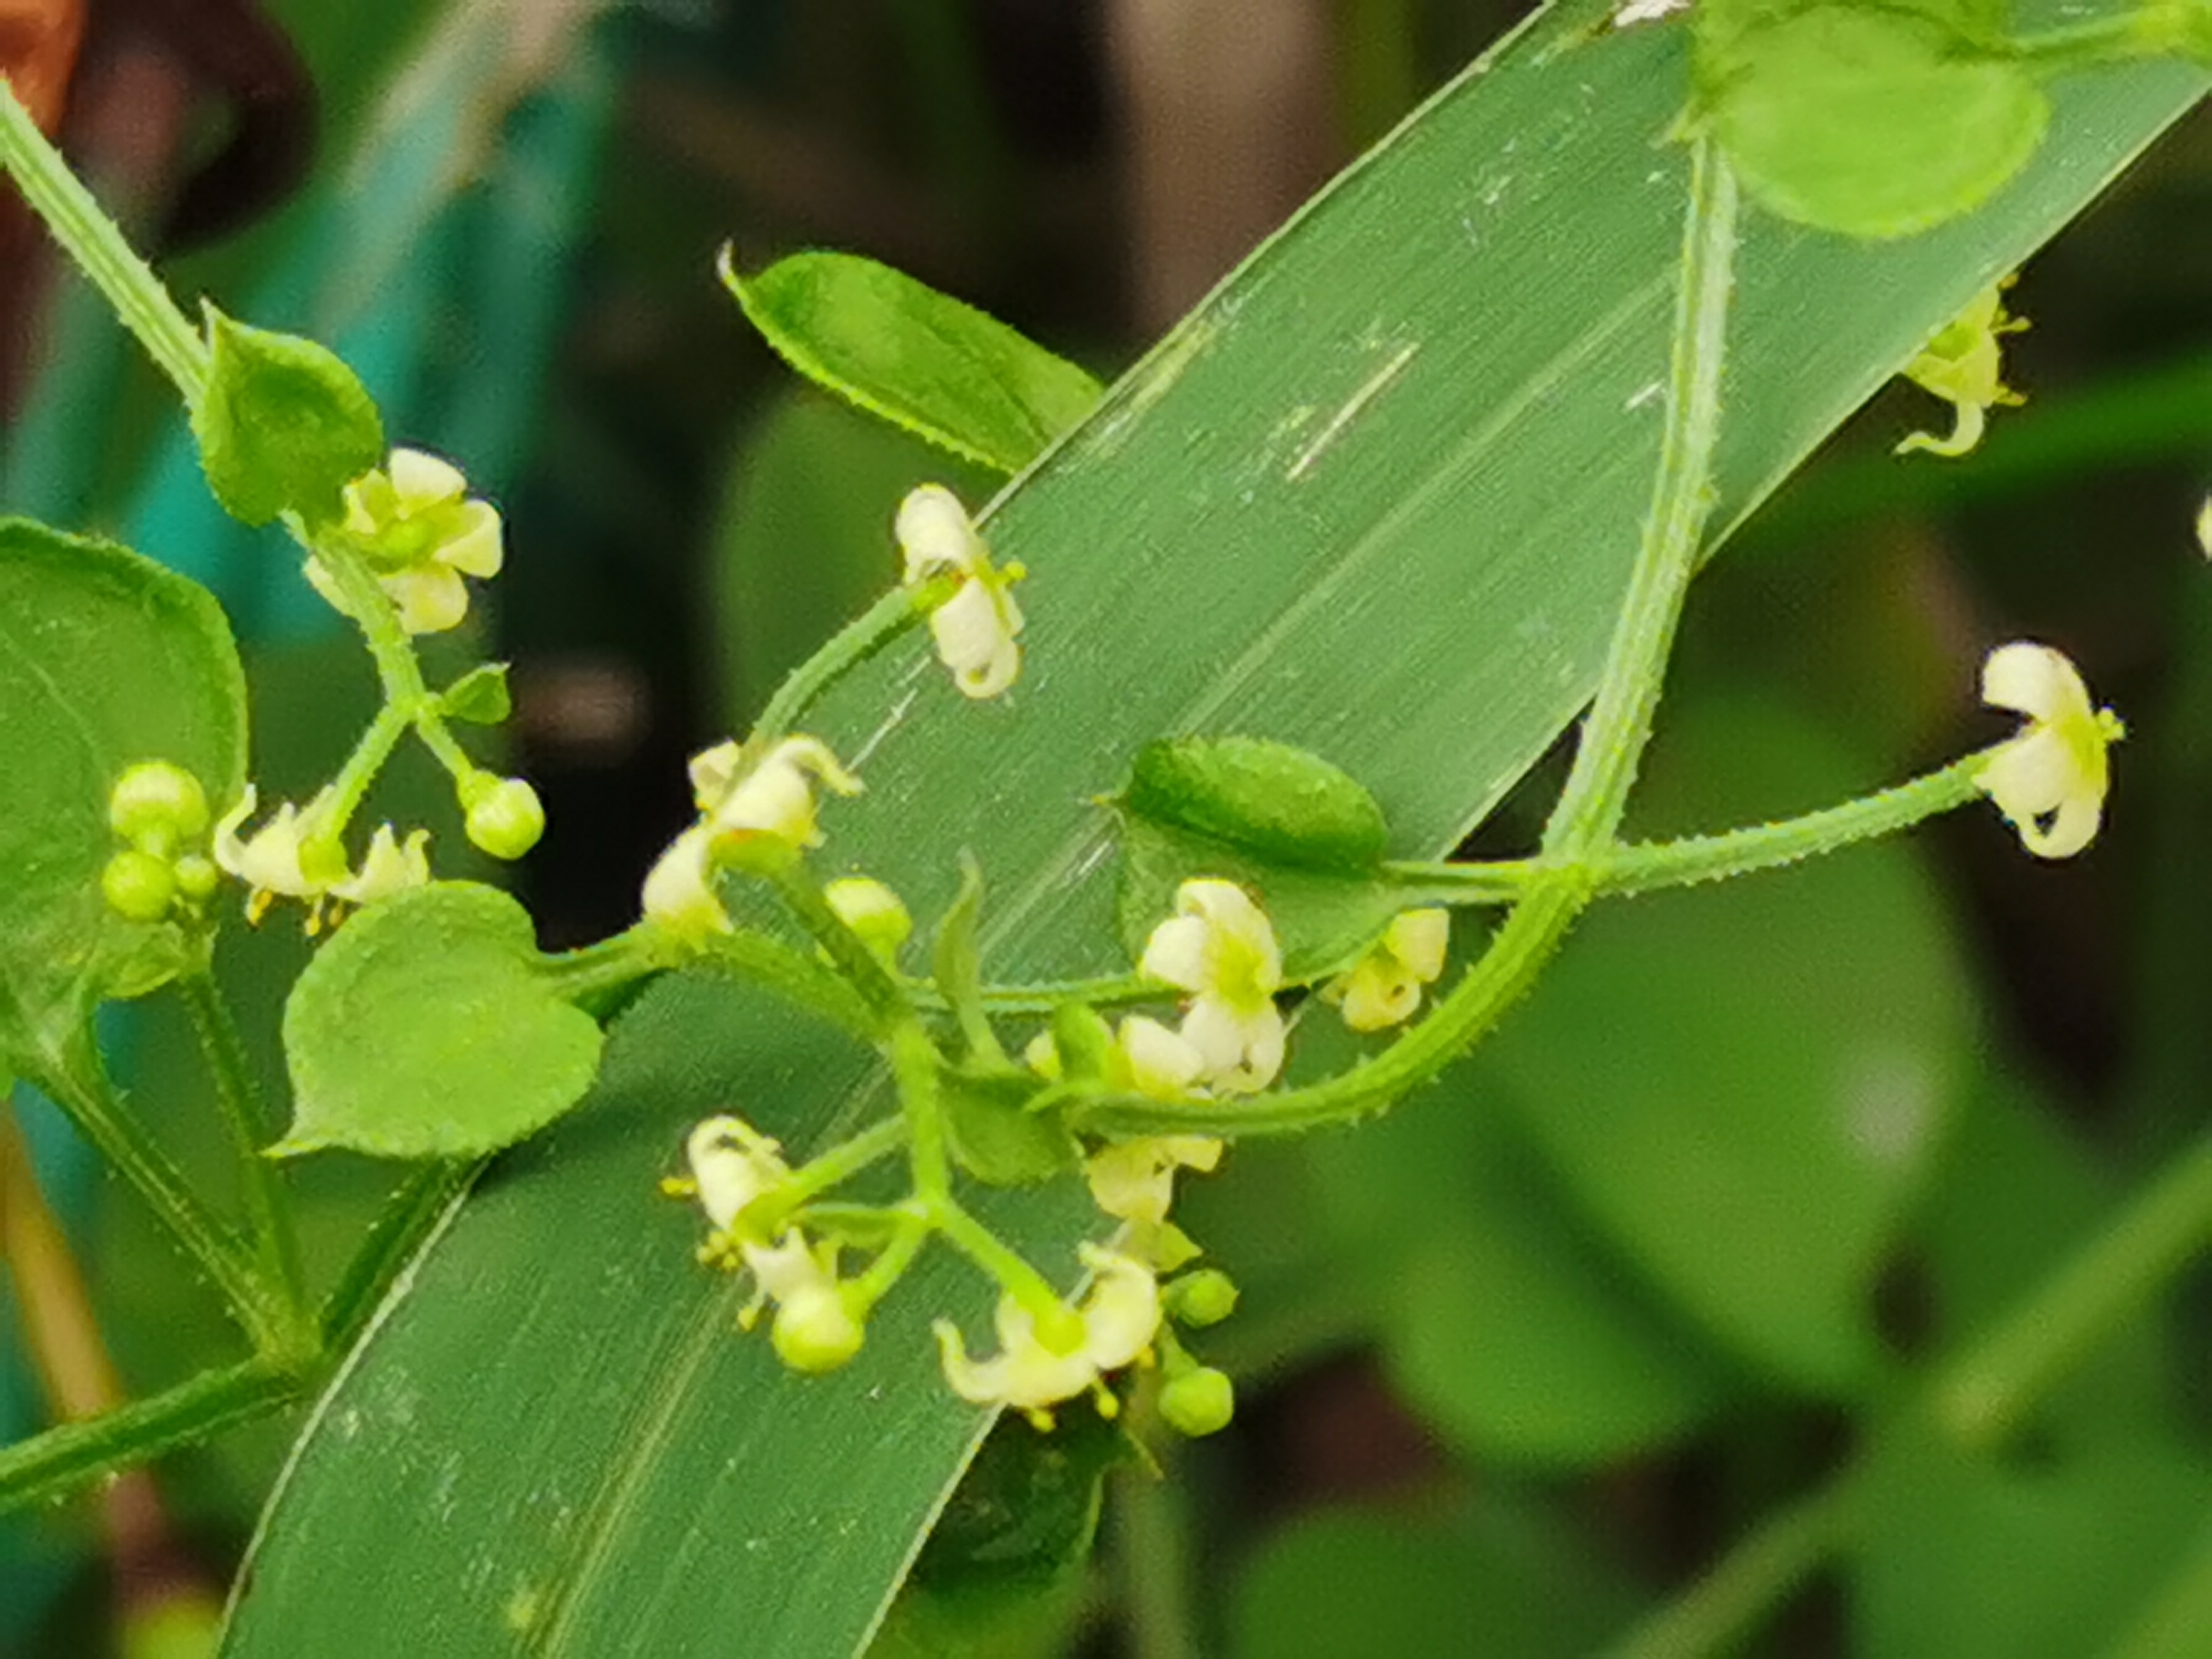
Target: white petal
(420, 479)
(1162, 1063)
(1122, 1312)
(713, 771)
(732, 1163)
(2032, 775)
(934, 531)
(477, 549)
(2034, 680)
(1419, 939)
(1176, 953)
(677, 894)
(432, 598)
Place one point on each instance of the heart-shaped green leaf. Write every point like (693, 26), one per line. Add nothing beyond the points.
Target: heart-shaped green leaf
(284, 425)
(105, 659)
(1868, 122)
(427, 1028)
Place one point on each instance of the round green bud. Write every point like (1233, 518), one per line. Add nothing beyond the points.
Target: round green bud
(1062, 1330)
(815, 1331)
(1202, 1298)
(138, 886)
(505, 817)
(197, 877)
(154, 806)
(1201, 1402)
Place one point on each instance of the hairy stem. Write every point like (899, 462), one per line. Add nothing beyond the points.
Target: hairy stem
(91, 239)
(238, 1096)
(846, 650)
(1613, 738)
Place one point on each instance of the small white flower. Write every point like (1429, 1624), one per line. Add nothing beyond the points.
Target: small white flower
(288, 857)
(817, 1328)
(974, 629)
(1384, 987)
(1118, 1319)
(679, 890)
(2049, 782)
(1220, 948)
(388, 867)
(421, 532)
(775, 796)
(1134, 1180)
(732, 1163)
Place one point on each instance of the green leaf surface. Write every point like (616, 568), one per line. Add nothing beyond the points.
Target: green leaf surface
(1376, 497)
(1516, 1332)
(427, 1029)
(1780, 1060)
(1349, 1584)
(1871, 123)
(1275, 803)
(481, 696)
(921, 360)
(105, 659)
(285, 425)
(1991, 1559)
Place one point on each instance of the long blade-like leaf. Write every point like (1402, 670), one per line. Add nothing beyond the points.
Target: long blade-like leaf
(1377, 496)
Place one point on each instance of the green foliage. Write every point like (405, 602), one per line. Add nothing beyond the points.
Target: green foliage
(480, 696)
(925, 361)
(284, 425)
(1269, 801)
(1776, 1052)
(1866, 121)
(1496, 1578)
(427, 1029)
(105, 659)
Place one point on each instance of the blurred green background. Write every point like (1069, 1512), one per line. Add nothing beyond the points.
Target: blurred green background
(1508, 1375)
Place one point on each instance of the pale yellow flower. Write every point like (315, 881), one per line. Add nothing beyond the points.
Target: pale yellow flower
(2049, 782)
(1119, 1318)
(1384, 987)
(1219, 947)
(975, 629)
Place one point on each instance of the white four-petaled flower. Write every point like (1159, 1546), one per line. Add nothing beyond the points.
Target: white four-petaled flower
(1117, 1321)
(1219, 947)
(974, 629)
(296, 855)
(2049, 782)
(420, 531)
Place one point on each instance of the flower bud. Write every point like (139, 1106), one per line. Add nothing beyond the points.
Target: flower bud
(197, 877)
(872, 910)
(505, 817)
(815, 1330)
(1205, 1298)
(1199, 1402)
(154, 806)
(138, 886)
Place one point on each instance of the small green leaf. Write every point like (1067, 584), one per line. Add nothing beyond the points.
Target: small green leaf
(106, 659)
(426, 1029)
(1867, 122)
(959, 966)
(919, 359)
(1275, 803)
(480, 696)
(995, 1137)
(285, 425)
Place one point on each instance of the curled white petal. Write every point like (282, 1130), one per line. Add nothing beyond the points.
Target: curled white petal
(936, 535)
(2049, 782)
(420, 479)
(732, 1163)
(678, 893)
(389, 866)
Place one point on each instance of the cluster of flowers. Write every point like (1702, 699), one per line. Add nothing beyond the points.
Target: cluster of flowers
(1217, 954)
(415, 525)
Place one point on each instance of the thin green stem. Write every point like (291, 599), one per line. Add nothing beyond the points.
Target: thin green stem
(876, 1280)
(2139, 31)
(245, 1113)
(375, 747)
(408, 1216)
(845, 1160)
(1109, 991)
(1152, 1552)
(91, 239)
(86, 1093)
(1651, 867)
(915, 1068)
(999, 1260)
(1596, 792)
(883, 991)
(1724, 1606)
(1981, 1396)
(52, 1465)
(846, 650)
